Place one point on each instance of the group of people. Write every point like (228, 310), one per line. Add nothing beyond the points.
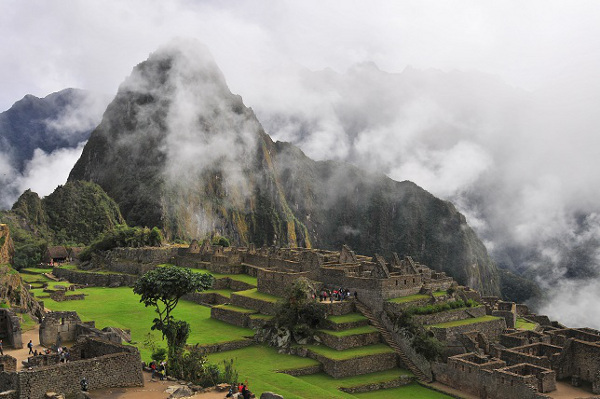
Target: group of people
(159, 370)
(243, 391)
(63, 354)
(340, 294)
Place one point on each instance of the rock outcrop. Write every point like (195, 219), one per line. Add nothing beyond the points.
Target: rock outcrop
(7, 248)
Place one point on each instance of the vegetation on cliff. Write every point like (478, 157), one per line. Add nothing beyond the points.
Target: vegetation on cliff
(74, 214)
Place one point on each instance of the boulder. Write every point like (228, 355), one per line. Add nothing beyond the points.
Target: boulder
(182, 392)
(270, 395)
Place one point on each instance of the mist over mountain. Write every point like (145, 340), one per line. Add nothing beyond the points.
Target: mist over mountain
(177, 149)
(40, 138)
(504, 156)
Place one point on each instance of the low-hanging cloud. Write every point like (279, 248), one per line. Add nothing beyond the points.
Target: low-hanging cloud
(515, 147)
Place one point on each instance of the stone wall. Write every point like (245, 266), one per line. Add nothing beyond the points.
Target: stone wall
(226, 346)
(337, 308)
(358, 366)
(275, 282)
(539, 354)
(8, 381)
(227, 283)
(261, 306)
(229, 316)
(7, 363)
(10, 329)
(397, 308)
(108, 371)
(58, 324)
(95, 279)
(349, 341)
(450, 315)
(520, 338)
(491, 329)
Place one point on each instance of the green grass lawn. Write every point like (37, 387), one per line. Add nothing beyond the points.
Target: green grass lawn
(255, 294)
(465, 322)
(525, 325)
(351, 331)
(349, 353)
(120, 307)
(347, 318)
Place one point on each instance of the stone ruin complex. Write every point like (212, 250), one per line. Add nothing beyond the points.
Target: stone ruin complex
(485, 353)
(97, 355)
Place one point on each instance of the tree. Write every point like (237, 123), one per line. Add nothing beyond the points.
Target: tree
(162, 288)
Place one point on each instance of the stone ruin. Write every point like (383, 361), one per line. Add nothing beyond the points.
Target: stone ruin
(97, 355)
(488, 357)
(10, 329)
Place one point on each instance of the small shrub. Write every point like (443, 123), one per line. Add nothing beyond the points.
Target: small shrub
(159, 355)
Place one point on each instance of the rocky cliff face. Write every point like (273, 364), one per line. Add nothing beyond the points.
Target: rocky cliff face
(7, 248)
(178, 150)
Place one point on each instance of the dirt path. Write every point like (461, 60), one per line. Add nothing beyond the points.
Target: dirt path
(23, 354)
(151, 390)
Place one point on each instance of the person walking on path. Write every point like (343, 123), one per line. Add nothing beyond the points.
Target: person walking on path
(1, 349)
(30, 346)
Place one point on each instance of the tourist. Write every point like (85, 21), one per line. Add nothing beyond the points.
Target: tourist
(355, 295)
(1, 349)
(35, 353)
(30, 346)
(153, 368)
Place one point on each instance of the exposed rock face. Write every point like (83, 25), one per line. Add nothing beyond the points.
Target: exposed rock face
(15, 294)
(178, 150)
(7, 249)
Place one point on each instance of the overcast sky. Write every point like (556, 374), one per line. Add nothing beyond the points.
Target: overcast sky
(49, 45)
(536, 176)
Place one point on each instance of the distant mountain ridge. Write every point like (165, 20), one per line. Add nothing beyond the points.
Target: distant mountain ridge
(25, 126)
(178, 150)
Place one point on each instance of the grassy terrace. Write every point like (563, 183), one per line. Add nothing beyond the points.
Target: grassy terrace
(224, 293)
(120, 307)
(465, 322)
(74, 268)
(525, 325)
(351, 331)
(255, 294)
(416, 297)
(347, 318)
(36, 270)
(325, 380)
(237, 277)
(234, 308)
(412, 391)
(349, 353)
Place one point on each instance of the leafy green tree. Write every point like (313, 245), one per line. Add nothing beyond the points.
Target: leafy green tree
(298, 313)
(162, 288)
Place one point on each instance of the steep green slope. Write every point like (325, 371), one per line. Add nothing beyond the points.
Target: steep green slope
(76, 213)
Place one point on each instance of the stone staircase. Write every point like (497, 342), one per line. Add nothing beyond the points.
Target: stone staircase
(389, 340)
